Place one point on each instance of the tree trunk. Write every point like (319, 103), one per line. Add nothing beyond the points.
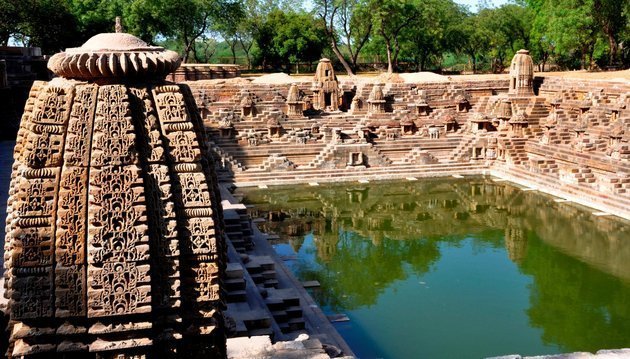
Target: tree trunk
(186, 54)
(613, 48)
(390, 65)
(591, 62)
(473, 61)
(246, 50)
(249, 60)
(341, 58)
(233, 49)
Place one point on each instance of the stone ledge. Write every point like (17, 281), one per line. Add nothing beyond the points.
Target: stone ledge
(601, 354)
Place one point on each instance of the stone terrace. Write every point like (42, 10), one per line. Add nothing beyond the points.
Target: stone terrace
(571, 138)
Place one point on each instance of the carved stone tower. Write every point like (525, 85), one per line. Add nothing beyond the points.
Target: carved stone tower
(522, 74)
(325, 87)
(114, 231)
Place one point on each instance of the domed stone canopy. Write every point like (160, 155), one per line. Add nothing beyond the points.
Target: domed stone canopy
(114, 56)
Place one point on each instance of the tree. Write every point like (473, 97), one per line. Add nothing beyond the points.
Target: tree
(426, 39)
(10, 18)
(96, 16)
(327, 10)
(355, 23)
(252, 26)
(508, 29)
(471, 38)
(247, 27)
(185, 20)
(47, 24)
(288, 37)
(348, 24)
(568, 25)
(612, 18)
(390, 18)
(228, 25)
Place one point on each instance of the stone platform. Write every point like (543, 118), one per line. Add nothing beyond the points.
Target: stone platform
(601, 354)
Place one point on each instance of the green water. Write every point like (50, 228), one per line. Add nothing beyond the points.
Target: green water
(447, 268)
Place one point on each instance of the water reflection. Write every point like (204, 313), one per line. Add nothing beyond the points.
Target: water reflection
(367, 238)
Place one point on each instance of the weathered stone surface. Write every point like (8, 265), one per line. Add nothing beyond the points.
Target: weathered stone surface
(574, 132)
(114, 241)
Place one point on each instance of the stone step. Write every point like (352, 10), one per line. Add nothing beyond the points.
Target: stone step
(235, 284)
(236, 296)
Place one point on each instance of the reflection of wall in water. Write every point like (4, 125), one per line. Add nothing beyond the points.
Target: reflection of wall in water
(405, 211)
(515, 243)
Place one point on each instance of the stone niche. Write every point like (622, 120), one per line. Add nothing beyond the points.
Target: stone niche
(114, 240)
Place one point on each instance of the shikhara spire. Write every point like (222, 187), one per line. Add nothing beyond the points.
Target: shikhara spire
(114, 241)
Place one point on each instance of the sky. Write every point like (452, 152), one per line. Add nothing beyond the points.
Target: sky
(472, 4)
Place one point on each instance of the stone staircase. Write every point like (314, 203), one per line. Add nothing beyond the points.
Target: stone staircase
(237, 226)
(463, 151)
(393, 171)
(515, 150)
(225, 157)
(578, 192)
(577, 175)
(276, 162)
(418, 156)
(543, 165)
(324, 156)
(284, 305)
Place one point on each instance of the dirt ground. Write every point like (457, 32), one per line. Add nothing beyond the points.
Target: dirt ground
(623, 75)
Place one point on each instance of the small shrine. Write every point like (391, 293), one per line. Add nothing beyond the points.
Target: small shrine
(480, 123)
(504, 114)
(407, 125)
(226, 124)
(325, 87)
(247, 106)
(274, 128)
(294, 103)
(518, 123)
(615, 147)
(356, 105)
(522, 74)
(376, 101)
(462, 103)
(422, 107)
(450, 122)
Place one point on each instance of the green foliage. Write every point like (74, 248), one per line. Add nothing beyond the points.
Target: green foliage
(426, 40)
(9, 20)
(273, 33)
(48, 24)
(95, 16)
(574, 28)
(185, 20)
(391, 18)
(288, 37)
